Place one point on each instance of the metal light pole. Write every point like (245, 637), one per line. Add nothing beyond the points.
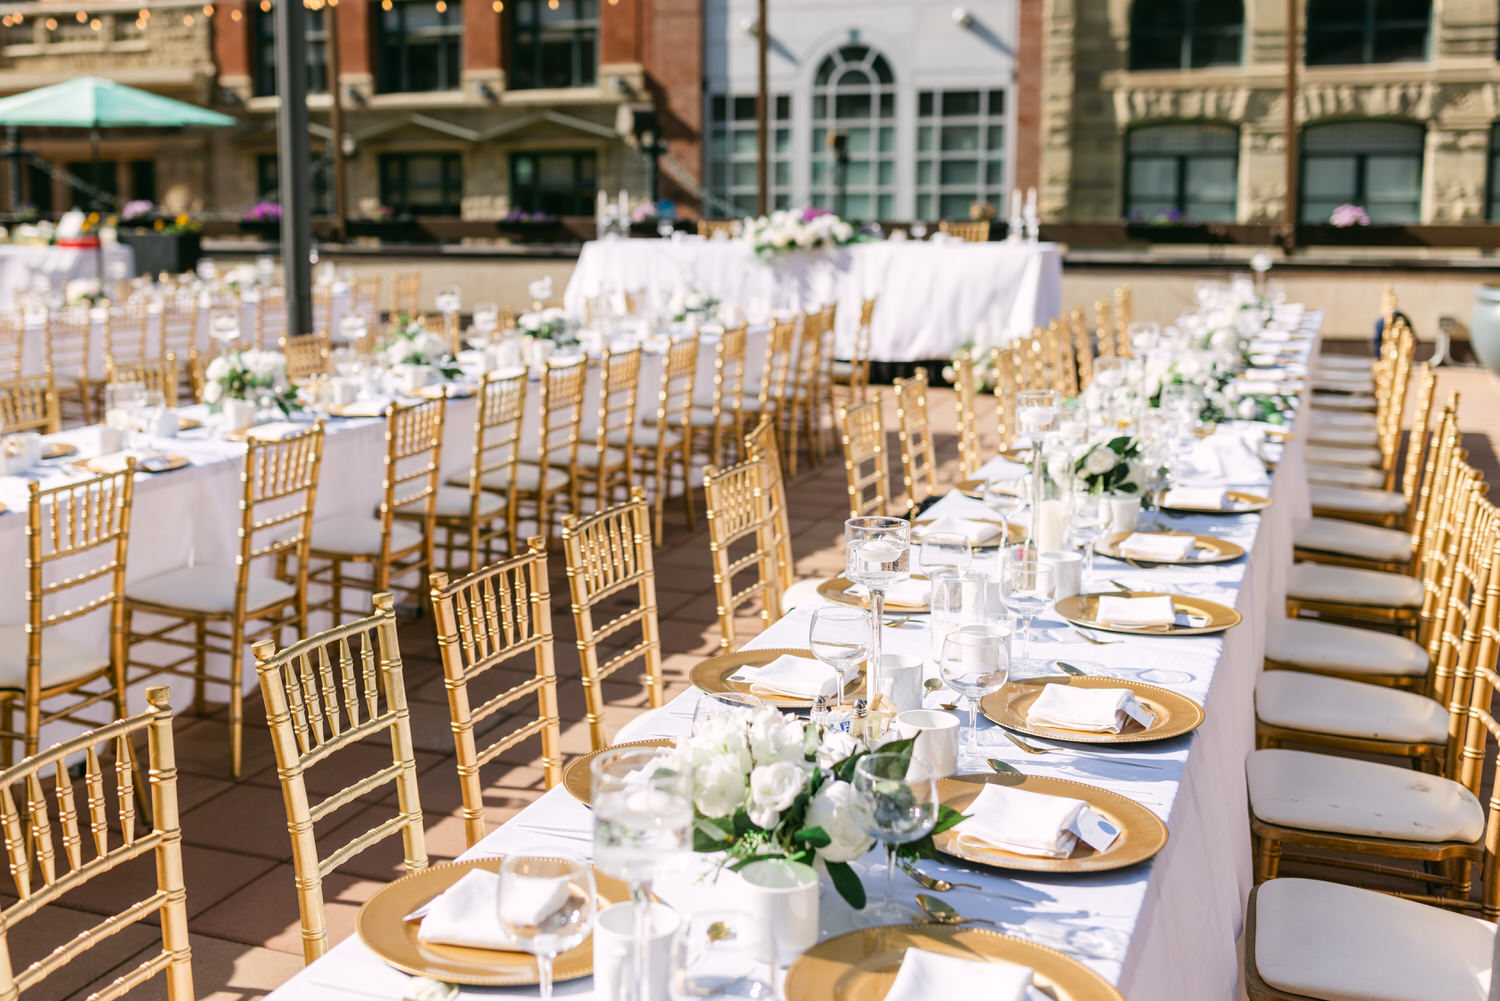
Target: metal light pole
(762, 115)
(15, 168)
(1289, 126)
(291, 161)
(336, 122)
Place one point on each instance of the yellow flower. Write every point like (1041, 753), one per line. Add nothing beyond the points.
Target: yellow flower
(159, 224)
(93, 219)
(182, 220)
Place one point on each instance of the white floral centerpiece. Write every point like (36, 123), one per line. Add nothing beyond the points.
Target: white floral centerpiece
(249, 376)
(765, 784)
(691, 302)
(415, 345)
(1112, 466)
(797, 229)
(549, 324)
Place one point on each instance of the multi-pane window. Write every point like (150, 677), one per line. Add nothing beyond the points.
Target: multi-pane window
(413, 184)
(263, 38)
(101, 175)
(419, 45)
(1186, 34)
(554, 43)
(38, 182)
(854, 94)
(1367, 31)
(559, 184)
(732, 152)
(1375, 165)
(960, 151)
(142, 179)
(268, 182)
(1181, 172)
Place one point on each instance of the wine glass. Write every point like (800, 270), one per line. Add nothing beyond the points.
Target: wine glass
(713, 956)
(1026, 589)
(1005, 497)
(974, 662)
(945, 549)
(448, 299)
(712, 705)
(878, 554)
(898, 803)
(547, 907)
(643, 820)
(1086, 524)
(839, 636)
(959, 598)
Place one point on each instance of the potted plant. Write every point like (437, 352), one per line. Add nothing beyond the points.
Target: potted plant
(168, 244)
(528, 227)
(262, 219)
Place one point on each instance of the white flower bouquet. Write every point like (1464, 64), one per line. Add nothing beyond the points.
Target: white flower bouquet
(797, 229)
(1112, 466)
(690, 303)
(249, 376)
(414, 344)
(765, 784)
(550, 324)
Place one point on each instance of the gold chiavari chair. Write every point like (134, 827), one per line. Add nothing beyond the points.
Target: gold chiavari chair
(485, 621)
(1065, 378)
(1342, 420)
(1083, 351)
(1104, 331)
(1124, 317)
(659, 446)
(1003, 367)
(180, 317)
(77, 536)
(824, 409)
(741, 545)
(322, 694)
(270, 317)
(12, 343)
(770, 395)
(710, 228)
(854, 374)
(914, 433)
(364, 302)
(966, 398)
(864, 459)
(391, 549)
(127, 332)
(44, 876)
(406, 293)
(1028, 352)
(970, 231)
(70, 333)
(539, 484)
(717, 428)
(604, 460)
(306, 355)
(608, 558)
(322, 309)
(479, 507)
(221, 607)
(761, 443)
(29, 403)
(1353, 457)
(1376, 506)
(800, 413)
(161, 375)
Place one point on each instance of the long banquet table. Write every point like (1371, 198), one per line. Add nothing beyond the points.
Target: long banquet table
(933, 297)
(20, 262)
(1165, 930)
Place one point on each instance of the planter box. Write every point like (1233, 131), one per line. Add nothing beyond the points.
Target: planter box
(384, 230)
(173, 253)
(1358, 236)
(537, 231)
(1190, 232)
(261, 230)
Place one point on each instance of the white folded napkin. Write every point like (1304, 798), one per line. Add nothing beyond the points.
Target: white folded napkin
(1273, 335)
(1154, 546)
(1250, 387)
(924, 975)
(1209, 498)
(1097, 710)
(977, 532)
(790, 677)
(363, 408)
(276, 429)
(155, 462)
(465, 915)
(904, 592)
(1239, 459)
(1031, 823)
(1115, 610)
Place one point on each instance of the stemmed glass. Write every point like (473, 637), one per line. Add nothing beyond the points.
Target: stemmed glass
(959, 598)
(1038, 412)
(547, 907)
(974, 662)
(1005, 498)
(945, 549)
(643, 819)
(1026, 589)
(878, 555)
(898, 803)
(714, 704)
(712, 957)
(839, 636)
(1086, 524)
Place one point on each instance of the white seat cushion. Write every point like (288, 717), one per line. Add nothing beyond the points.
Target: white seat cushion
(1346, 437)
(1341, 943)
(348, 536)
(1320, 704)
(526, 479)
(63, 659)
(1365, 477)
(1350, 538)
(1342, 455)
(1338, 401)
(1344, 383)
(841, 369)
(1345, 363)
(1328, 646)
(588, 456)
(647, 434)
(207, 588)
(1353, 586)
(1324, 792)
(1354, 499)
(1342, 419)
(453, 502)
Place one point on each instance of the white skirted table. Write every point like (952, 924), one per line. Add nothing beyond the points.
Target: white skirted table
(20, 263)
(1165, 929)
(933, 298)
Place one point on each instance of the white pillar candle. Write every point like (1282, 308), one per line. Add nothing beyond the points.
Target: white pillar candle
(1031, 201)
(600, 204)
(1050, 524)
(624, 206)
(1015, 204)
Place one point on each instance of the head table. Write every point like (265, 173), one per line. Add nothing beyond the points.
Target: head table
(933, 297)
(1165, 929)
(21, 263)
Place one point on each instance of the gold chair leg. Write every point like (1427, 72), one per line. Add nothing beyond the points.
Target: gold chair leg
(200, 668)
(1267, 859)
(236, 699)
(8, 752)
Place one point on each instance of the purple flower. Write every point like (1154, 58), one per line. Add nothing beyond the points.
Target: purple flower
(136, 209)
(1349, 215)
(264, 212)
(812, 212)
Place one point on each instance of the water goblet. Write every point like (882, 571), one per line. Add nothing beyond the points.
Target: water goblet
(547, 907)
(1086, 524)
(974, 661)
(959, 598)
(839, 636)
(945, 549)
(1026, 590)
(714, 705)
(877, 555)
(898, 804)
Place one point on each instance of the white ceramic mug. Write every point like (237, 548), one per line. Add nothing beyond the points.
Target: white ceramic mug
(238, 414)
(614, 944)
(937, 738)
(901, 680)
(1067, 573)
(343, 390)
(1124, 512)
(781, 900)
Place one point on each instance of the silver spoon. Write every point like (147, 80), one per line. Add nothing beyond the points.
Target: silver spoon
(1032, 749)
(939, 912)
(932, 882)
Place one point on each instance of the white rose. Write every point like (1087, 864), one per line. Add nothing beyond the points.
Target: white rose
(720, 736)
(836, 746)
(718, 787)
(431, 345)
(529, 321)
(773, 788)
(774, 737)
(837, 809)
(1247, 410)
(843, 232)
(217, 369)
(1099, 461)
(212, 391)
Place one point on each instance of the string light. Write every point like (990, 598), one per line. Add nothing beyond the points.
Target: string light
(51, 24)
(235, 14)
(441, 5)
(265, 6)
(144, 14)
(497, 6)
(208, 10)
(552, 4)
(386, 4)
(187, 19)
(83, 18)
(96, 24)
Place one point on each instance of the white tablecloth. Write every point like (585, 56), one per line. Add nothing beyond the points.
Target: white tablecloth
(1162, 931)
(933, 298)
(18, 263)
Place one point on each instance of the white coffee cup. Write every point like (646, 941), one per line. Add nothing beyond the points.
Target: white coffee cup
(937, 738)
(342, 390)
(614, 945)
(781, 898)
(1124, 513)
(1067, 573)
(901, 680)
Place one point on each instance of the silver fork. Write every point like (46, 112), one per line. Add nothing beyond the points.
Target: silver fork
(1094, 639)
(1033, 749)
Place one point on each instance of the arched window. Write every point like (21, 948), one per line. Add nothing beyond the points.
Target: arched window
(1186, 34)
(1182, 172)
(1366, 31)
(854, 93)
(1375, 165)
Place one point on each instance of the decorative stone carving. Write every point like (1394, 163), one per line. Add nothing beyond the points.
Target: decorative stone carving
(1368, 100)
(1140, 104)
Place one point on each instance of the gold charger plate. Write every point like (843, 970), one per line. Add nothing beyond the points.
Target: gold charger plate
(975, 488)
(445, 391)
(159, 464)
(833, 589)
(1013, 532)
(1176, 714)
(57, 449)
(576, 777)
(1082, 610)
(712, 675)
(352, 410)
(188, 423)
(382, 926)
(1212, 549)
(861, 965)
(1142, 833)
(1239, 503)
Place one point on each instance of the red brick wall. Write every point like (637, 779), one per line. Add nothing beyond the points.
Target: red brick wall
(1028, 171)
(232, 38)
(674, 69)
(483, 35)
(354, 36)
(620, 31)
